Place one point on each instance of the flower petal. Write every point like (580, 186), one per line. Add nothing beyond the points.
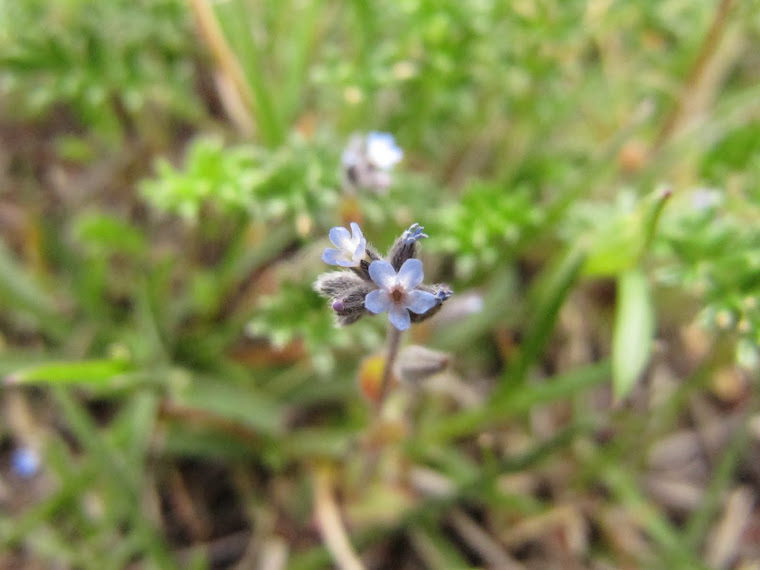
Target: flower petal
(399, 317)
(382, 150)
(332, 256)
(358, 238)
(410, 275)
(420, 302)
(339, 258)
(340, 238)
(356, 232)
(382, 273)
(349, 158)
(358, 254)
(377, 301)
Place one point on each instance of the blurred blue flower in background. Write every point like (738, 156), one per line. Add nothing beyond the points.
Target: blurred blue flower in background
(25, 462)
(382, 150)
(368, 159)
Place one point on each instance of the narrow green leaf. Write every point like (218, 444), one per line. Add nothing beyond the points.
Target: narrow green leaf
(234, 18)
(700, 521)
(633, 333)
(547, 298)
(436, 549)
(240, 404)
(79, 372)
(314, 442)
(19, 290)
(653, 214)
(553, 389)
(104, 234)
(673, 548)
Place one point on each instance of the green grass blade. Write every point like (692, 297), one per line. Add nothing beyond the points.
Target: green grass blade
(84, 372)
(501, 409)
(550, 293)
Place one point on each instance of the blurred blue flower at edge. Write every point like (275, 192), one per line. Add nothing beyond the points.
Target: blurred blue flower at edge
(25, 462)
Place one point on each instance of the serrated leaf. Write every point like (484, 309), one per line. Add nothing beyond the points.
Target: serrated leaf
(633, 332)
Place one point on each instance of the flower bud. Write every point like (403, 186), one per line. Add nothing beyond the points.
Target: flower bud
(442, 292)
(405, 247)
(336, 283)
(349, 307)
(416, 364)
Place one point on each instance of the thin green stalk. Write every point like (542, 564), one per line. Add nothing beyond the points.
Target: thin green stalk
(675, 551)
(112, 466)
(237, 25)
(20, 290)
(372, 451)
(700, 520)
(652, 219)
(301, 32)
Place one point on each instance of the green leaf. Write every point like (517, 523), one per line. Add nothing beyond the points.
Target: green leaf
(105, 234)
(20, 290)
(634, 330)
(224, 399)
(95, 372)
(616, 247)
(513, 403)
(621, 241)
(548, 295)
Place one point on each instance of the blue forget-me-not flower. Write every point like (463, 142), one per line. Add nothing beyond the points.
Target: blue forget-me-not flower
(397, 293)
(375, 285)
(382, 150)
(368, 160)
(25, 462)
(350, 247)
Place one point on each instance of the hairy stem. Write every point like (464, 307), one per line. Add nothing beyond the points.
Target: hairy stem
(394, 341)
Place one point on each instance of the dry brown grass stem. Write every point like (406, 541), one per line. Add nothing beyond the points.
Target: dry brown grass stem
(329, 521)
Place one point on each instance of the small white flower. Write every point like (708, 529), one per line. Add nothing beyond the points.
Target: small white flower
(382, 150)
(350, 247)
(398, 293)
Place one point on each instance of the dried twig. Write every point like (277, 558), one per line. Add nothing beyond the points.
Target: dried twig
(695, 78)
(725, 538)
(482, 543)
(330, 524)
(212, 34)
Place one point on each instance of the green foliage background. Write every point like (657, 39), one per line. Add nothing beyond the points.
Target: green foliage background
(170, 174)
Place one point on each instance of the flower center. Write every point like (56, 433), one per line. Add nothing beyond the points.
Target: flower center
(397, 294)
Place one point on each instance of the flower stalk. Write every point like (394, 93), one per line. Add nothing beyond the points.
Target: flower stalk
(394, 342)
